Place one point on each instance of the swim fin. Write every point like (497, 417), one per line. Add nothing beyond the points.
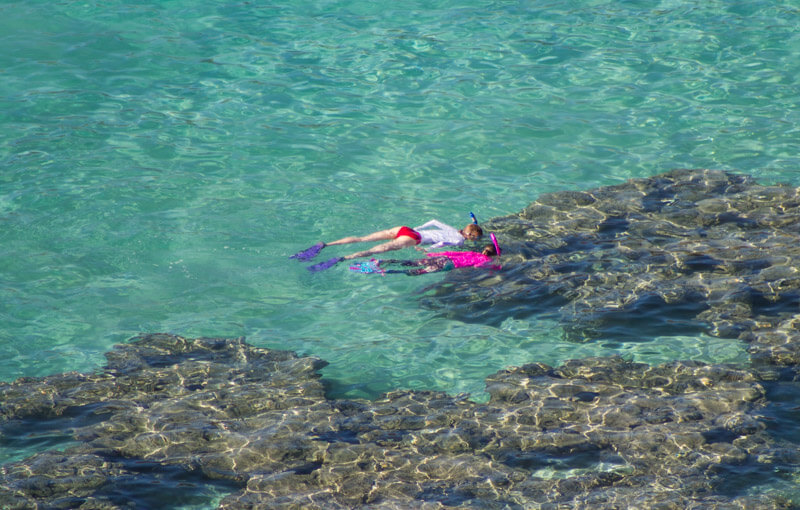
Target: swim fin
(308, 253)
(371, 266)
(325, 265)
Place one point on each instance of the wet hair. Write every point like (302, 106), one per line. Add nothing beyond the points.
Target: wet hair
(473, 228)
(489, 250)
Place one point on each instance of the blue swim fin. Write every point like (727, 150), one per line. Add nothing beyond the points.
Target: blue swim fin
(308, 253)
(325, 265)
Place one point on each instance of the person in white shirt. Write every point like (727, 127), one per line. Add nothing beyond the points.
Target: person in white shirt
(434, 233)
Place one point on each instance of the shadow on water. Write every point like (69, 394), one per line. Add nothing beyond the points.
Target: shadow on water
(148, 484)
(779, 476)
(153, 485)
(567, 462)
(19, 437)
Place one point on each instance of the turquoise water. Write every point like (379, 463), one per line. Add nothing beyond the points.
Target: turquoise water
(161, 161)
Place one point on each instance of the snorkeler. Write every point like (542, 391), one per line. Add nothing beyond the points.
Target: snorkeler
(434, 262)
(434, 233)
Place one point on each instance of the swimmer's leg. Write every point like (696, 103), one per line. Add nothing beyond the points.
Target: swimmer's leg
(427, 265)
(395, 244)
(381, 235)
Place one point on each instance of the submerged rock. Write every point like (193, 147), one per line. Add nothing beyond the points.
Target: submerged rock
(686, 251)
(598, 432)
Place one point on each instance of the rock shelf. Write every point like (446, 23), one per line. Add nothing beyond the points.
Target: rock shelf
(598, 432)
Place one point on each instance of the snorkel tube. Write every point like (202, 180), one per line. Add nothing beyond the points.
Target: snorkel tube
(474, 219)
(494, 241)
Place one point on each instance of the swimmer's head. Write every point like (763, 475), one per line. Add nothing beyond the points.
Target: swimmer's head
(472, 231)
(489, 250)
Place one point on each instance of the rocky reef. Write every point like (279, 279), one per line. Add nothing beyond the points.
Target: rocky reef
(599, 433)
(688, 250)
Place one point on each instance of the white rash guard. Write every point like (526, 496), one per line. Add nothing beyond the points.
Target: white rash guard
(441, 235)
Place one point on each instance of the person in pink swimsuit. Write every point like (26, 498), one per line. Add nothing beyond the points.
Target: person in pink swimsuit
(435, 262)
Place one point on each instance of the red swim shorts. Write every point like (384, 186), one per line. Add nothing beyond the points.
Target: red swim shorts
(405, 231)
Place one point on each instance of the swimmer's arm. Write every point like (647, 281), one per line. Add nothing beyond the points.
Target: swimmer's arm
(433, 223)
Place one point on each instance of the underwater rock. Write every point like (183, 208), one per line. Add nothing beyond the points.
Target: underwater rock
(597, 432)
(688, 251)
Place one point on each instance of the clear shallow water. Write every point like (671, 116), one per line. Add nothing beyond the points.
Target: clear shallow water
(161, 161)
